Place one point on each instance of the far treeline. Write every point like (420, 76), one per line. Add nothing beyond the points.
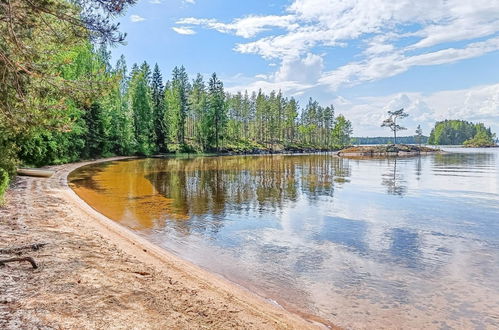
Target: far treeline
(458, 132)
(389, 140)
(61, 100)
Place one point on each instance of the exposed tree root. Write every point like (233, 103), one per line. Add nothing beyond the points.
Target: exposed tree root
(28, 259)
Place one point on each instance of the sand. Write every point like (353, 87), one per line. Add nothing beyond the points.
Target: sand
(96, 274)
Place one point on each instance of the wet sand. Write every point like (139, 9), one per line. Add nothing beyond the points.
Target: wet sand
(94, 273)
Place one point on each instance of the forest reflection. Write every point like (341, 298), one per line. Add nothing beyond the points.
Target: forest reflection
(214, 186)
(158, 190)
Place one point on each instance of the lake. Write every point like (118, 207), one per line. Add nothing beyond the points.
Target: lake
(363, 243)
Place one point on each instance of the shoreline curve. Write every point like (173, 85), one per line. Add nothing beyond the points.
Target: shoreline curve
(217, 302)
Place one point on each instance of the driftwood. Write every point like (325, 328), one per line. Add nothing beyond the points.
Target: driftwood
(28, 259)
(19, 249)
(35, 172)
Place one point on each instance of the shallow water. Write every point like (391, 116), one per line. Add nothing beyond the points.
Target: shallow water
(394, 243)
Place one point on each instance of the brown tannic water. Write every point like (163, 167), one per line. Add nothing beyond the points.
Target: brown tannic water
(368, 243)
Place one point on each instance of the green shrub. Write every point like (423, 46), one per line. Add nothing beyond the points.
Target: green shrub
(481, 139)
(4, 184)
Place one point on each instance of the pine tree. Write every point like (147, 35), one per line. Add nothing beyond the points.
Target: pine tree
(158, 104)
(198, 104)
(391, 122)
(123, 117)
(95, 138)
(141, 103)
(328, 117)
(291, 115)
(181, 82)
(217, 111)
(261, 111)
(170, 120)
(342, 131)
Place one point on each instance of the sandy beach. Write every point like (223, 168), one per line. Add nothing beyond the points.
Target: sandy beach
(96, 274)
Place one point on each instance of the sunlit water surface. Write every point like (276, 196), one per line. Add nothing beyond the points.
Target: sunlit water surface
(395, 243)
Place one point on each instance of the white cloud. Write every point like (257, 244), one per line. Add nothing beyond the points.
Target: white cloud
(294, 77)
(137, 18)
(394, 35)
(391, 64)
(155, 2)
(480, 103)
(183, 30)
(307, 69)
(246, 27)
(190, 1)
(267, 84)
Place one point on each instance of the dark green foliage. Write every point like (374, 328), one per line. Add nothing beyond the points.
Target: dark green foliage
(456, 132)
(197, 125)
(342, 132)
(4, 183)
(177, 106)
(141, 102)
(482, 139)
(217, 112)
(95, 134)
(158, 106)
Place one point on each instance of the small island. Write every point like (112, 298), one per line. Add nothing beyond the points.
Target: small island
(390, 150)
(461, 132)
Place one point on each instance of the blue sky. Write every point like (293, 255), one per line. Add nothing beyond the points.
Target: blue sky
(436, 58)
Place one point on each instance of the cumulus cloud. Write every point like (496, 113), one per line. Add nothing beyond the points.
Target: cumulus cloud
(479, 103)
(307, 69)
(137, 18)
(395, 35)
(387, 65)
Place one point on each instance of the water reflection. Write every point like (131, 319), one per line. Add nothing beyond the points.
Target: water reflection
(393, 180)
(388, 242)
(418, 168)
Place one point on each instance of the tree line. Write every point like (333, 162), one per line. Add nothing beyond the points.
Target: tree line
(140, 114)
(61, 100)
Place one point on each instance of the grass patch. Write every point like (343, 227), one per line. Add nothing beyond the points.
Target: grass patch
(4, 184)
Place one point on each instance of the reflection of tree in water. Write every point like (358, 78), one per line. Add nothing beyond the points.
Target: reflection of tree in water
(319, 174)
(84, 176)
(418, 168)
(204, 190)
(394, 181)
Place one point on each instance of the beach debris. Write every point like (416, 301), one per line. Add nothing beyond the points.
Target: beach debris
(28, 259)
(35, 172)
(142, 273)
(20, 249)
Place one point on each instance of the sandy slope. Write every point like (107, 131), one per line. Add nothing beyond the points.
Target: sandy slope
(96, 274)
